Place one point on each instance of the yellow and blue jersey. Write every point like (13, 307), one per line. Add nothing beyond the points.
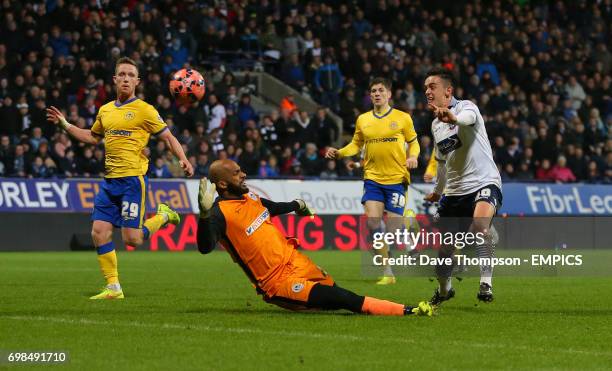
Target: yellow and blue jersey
(384, 140)
(126, 128)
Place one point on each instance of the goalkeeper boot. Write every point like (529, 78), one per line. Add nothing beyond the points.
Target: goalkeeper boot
(423, 309)
(386, 280)
(173, 216)
(437, 299)
(108, 294)
(485, 293)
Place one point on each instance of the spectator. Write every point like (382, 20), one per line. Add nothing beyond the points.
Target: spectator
(330, 172)
(215, 112)
(310, 161)
(329, 82)
(36, 138)
(266, 170)
(305, 131)
(160, 169)
(575, 93)
(293, 72)
(327, 131)
(543, 172)
(249, 159)
(577, 163)
(245, 111)
(202, 165)
(288, 106)
(560, 173)
(18, 162)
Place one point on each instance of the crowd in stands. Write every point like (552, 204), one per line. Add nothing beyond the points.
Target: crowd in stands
(540, 73)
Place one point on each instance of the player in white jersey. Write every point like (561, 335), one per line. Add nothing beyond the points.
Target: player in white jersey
(468, 183)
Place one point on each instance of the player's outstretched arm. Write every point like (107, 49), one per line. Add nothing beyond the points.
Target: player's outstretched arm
(177, 150)
(279, 208)
(211, 224)
(55, 116)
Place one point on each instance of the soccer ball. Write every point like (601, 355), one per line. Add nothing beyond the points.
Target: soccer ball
(187, 86)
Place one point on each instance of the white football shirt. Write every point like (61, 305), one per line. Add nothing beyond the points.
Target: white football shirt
(467, 152)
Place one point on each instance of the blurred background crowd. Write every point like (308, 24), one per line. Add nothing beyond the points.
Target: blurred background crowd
(540, 72)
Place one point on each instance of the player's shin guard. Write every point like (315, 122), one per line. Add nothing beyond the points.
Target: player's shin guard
(107, 258)
(152, 225)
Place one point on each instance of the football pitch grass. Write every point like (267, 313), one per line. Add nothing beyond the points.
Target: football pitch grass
(187, 311)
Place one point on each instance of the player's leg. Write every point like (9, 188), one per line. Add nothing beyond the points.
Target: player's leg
(135, 230)
(446, 214)
(334, 298)
(486, 202)
(310, 287)
(106, 214)
(374, 212)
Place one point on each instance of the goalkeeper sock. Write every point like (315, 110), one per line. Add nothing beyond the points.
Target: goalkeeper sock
(381, 307)
(107, 258)
(153, 224)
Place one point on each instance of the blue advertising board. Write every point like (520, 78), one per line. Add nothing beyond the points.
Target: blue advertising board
(556, 199)
(77, 195)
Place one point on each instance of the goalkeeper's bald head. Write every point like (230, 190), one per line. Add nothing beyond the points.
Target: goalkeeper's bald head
(227, 176)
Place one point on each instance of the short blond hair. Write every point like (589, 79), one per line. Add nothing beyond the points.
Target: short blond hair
(125, 60)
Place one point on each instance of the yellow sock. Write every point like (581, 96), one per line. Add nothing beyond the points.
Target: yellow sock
(108, 263)
(153, 224)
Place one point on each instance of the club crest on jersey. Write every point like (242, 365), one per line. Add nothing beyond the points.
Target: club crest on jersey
(393, 125)
(257, 222)
(253, 196)
(297, 287)
(129, 115)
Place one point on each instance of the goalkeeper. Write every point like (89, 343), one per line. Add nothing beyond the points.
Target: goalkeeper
(241, 221)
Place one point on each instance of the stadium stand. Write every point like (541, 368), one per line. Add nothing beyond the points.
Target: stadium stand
(539, 71)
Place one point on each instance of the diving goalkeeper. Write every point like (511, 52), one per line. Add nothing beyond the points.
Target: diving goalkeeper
(241, 221)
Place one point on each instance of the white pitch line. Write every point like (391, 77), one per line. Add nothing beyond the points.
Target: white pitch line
(244, 330)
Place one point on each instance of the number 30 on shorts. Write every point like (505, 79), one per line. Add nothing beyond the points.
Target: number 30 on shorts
(129, 210)
(398, 200)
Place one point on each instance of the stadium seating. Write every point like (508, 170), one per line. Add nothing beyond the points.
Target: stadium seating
(540, 77)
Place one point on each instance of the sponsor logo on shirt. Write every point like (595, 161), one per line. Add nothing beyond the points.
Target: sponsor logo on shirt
(121, 133)
(257, 222)
(381, 140)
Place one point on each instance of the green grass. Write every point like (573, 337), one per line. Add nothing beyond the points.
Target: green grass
(187, 311)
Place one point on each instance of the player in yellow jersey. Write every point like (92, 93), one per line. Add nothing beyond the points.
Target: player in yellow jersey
(125, 125)
(383, 133)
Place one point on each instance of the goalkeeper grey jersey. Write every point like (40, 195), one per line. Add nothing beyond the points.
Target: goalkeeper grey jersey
(467, 152)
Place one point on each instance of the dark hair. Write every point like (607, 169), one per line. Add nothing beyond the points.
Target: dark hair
(125, 60)
(442, 73)
(380, 80)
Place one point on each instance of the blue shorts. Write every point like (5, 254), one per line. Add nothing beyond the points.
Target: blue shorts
(392, 195)
(121, 201)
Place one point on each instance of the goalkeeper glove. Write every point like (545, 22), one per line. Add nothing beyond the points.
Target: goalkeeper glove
(206, 197)
(304, 210)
